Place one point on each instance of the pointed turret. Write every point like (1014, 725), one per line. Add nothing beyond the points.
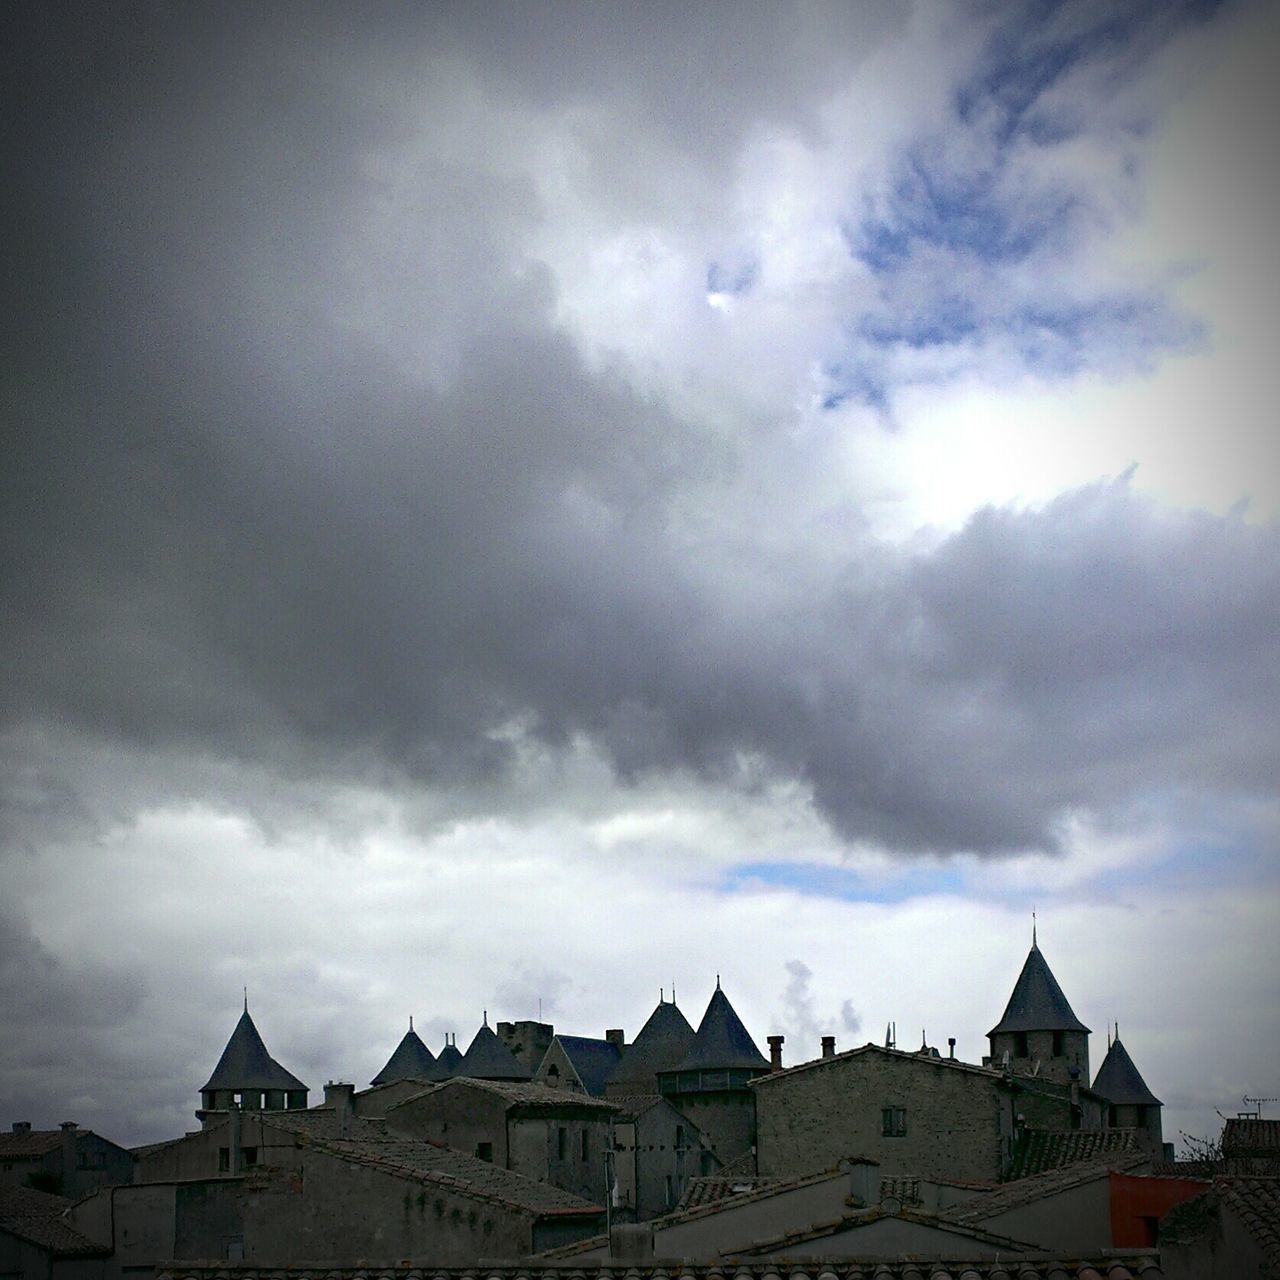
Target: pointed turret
(487, 1058)
(1131, 1105)
(249, 1077)
(449, 1057)
(661, 1045)
(412, 1060)
(721, 1042)
(1039, 1030)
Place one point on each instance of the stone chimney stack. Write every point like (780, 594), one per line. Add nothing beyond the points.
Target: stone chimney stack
(22, 1126)
(775, 1052)
(341, 1097)
(616, 1036)
(68, 1128)
(828, 1046)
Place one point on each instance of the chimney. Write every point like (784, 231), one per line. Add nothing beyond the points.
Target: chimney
(616, 1036)
(828, 1046)
(775, 1052)
(951, 1047)
(341, 1097)
(68, 1128)
(22, 1126)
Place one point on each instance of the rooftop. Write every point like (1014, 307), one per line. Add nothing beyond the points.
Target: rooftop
(1038, 1151)
(721, 1042)
(1120, 1082)
(412, 1060)
(663, 1040)
(246, 1064)
(1037, 1002)
(593, 1060)
(36, 1217)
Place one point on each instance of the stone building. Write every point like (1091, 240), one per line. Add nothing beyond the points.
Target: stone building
(655, 1150)
(248, 1077)
(550, 1135)
(67, 1161)
(581, 1063)
(487, 1058)
(1039, 1033)
(912, 1113)
(710, 1083)
(1130, 1104)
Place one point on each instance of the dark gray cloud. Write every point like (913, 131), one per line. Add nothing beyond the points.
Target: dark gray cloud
(303, 477)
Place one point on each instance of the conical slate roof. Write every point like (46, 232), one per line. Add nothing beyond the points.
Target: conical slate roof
(412, 1060)
(722, 1042)
(487, 1058)
(660, 1045)
(1119, 1081)
(1037, 1003)
(449, 1058)
(246, 1064)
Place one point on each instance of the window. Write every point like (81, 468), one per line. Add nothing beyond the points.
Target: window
(893, 1122)
(679, 1135)
(562, 1143)
(250, 1155)
(1020, 1044)
(1059, 1044)
(224, 1159)
(584, 1144)
(484, 1151)
(553, 1076)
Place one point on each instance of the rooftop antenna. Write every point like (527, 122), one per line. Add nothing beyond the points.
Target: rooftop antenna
(1259, 1101)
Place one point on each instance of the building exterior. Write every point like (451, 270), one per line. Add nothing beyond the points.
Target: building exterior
(554, 1136)
(661, 1045)
(1039, 1034)
(654, 1151)
(412, 1060)
(710, 1084)
(1130, 1104)
(487, 1058)
(67, 1161)
(581, 1063)
(247, 1076)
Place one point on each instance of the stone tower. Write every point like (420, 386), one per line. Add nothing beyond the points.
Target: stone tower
(1039, 1031)
(1130, 1104)
(247, 1076)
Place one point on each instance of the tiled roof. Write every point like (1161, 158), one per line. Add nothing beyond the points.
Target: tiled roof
(1256, 1202)
(412, 1060)
(1251, 1138)
(593, 1060)
(1014, 1195)
(1038, 1151)
(721, 1042)
(1117, 1265)
(703, 1191)
(662, 1042)
(1037, 1002)
(525, 1093)
(436, 1164)
(35, 1142)
(631, 1106)
(1120, 1082)
(487, 1058)
(246, 1064)
(322, 1123)
(36, 1217)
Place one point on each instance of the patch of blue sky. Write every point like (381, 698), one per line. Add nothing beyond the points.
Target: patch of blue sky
(734, 278)
(948, 321)
(857, 384)
(912, 880)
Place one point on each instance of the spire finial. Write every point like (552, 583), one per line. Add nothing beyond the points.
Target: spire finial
(1033, 926)
(246, 999)
(717, 982)
(486, 1017)
(673, 991)
(662, 995)
(411, 1022)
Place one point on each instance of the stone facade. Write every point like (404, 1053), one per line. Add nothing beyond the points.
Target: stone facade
(932, 1117)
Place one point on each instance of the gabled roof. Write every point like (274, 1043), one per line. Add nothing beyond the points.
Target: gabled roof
(412, 1060)
(246, 1064)
(1052, 1182)
(36, 1217)
(525, 1095)
(661, 1044)
(1119, 1081)
(836, 1061)
(28, 1145)
(1038, 1151)
(1247, 1137)
(487, 1058)
(1037, 1002)
(721, 1042)
(593, 1060)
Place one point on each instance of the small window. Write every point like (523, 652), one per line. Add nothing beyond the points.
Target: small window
(553, 1076)
(1059, 1043)
(250, 1155)
(1020, 1044)
(679, 1135)
(585, 1145)
(562, 1143)
(224, 1159)
(484, 1151)
(893, 1122)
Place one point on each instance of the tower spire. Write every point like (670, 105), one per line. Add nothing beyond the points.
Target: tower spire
(1033, 926)
(246, 999)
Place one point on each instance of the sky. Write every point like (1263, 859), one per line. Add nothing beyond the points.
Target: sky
(510, 510)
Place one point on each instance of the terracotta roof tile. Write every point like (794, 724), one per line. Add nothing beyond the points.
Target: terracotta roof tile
(1039, 1150)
